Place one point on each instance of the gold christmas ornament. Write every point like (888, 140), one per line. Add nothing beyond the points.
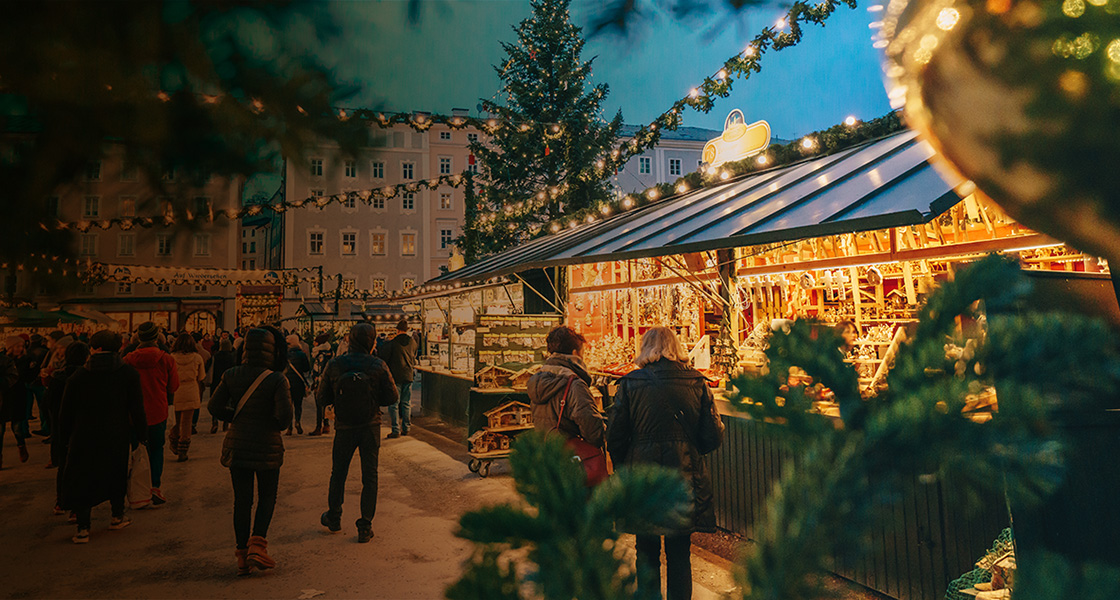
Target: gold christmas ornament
(1023, 99)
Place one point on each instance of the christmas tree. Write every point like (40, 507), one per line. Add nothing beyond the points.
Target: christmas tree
(540, 161)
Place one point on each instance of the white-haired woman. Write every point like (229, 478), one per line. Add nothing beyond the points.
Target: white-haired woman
(663, 414)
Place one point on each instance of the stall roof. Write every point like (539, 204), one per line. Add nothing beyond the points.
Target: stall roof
(888, 182)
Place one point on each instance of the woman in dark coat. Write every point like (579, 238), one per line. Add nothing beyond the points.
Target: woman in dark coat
(224, 358)
(253, 448)
(102, 420)
(76, 356)
(663, 414)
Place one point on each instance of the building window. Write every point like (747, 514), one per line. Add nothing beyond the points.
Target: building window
(249, 264)
(88, 289)
(675, 166)
(315, 242)
(244, 247)
(126, 244)
(377, 244)
(348, 201)
(349, 243)
(398, 139)
(88, 244)
(377, 169)
(445, 165)
(93, 170)
(473, 167)
(407, 170)
(202, 244)
(444, 239)
(408, 244)
(91, 208)
(168, 208)
(124, 288)
(408, 201)
(163, 244)
(349, 286)
(318, 193)
(54, 206)
(127, 208)
(644, 164)
(445, 201)
(202, 208)
(169, 174)
(445, 135)
(407, 283)
(472, 137)
(163, 288)
(377, 285)
(201, 288)
(378, 203)
(351, 168)
(316, 167)
(129, 172)
(252, 247)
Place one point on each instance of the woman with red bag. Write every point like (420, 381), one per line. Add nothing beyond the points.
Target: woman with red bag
(561, 399)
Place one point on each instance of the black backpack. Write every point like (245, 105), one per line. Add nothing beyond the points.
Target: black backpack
(353, 399)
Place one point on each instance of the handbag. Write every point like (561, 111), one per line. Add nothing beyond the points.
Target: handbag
(227, 453)
(139, 478)
(591, 458)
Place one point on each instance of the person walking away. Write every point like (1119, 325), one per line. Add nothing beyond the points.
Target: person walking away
(663, 414)
(102, 419)
(14, 409)
(191, 370)
(357, 384)
(75, 357)
(207, 360)
(31, 368)
(159, 378)
(563, 379)
(223, 360)
(298, 371)
(253, 398)
(321, 355)
(400, 354)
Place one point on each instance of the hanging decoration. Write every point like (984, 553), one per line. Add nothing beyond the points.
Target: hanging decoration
(97, 273)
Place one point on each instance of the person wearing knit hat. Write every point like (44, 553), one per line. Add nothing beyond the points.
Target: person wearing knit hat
(147, 332)
(159, 379)
(13, 395)
(298, 374)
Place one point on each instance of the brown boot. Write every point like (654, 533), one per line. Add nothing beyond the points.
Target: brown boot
(184, 447)
(258, 553)
(326, 427)
(173, 441)
(243, 567)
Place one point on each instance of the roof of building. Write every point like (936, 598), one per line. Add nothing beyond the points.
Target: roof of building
(691, 134)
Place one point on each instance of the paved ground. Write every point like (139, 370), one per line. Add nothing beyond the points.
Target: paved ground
(185, 549)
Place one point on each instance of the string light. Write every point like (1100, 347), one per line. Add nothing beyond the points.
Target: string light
(850, 121)
(808, 143)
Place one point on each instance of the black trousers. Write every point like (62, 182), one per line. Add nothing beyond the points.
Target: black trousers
(267, 483)
(84, 517)
(367, 441)
(678, 563)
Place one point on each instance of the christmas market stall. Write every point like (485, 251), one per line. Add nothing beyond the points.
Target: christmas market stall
(858, 236)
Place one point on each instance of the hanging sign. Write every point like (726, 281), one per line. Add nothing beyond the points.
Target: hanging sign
(738, 140)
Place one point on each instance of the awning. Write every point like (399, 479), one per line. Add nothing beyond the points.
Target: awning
(884, 183)
(92, 315)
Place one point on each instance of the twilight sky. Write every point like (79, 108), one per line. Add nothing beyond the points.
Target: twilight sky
(445, 61)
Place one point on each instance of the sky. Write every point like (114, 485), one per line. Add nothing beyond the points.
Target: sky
(445, 60)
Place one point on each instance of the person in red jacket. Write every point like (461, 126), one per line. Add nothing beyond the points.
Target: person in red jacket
(159, 379)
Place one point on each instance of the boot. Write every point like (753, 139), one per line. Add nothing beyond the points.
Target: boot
(243, 567)
(173, 441)
(326, 427)
(289, 431)
(214, 427)
(299, 428)
(184, 446)
(258, 553)
(317, 431)
(23, 455)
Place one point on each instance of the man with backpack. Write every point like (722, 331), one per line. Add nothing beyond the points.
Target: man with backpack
(357, 384)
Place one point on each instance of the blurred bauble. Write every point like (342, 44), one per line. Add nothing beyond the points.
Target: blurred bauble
(1023, 98)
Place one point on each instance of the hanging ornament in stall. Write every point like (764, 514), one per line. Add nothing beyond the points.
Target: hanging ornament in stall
(1023, 99)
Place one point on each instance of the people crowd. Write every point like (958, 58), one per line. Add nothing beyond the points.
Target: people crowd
(100, 398)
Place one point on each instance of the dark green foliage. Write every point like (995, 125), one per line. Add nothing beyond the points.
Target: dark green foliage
(564, 536)
(845, 474)
(551, 137)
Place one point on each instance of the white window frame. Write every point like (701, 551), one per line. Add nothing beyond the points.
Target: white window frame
(377, 169)
(373, 242)
(415, 242)
(408, 202)
(448, 240)
(342, 243)
(209, 206)
(445, 163)
(445, 136)
(373, 283)
(675, 167)
(472, 137)
(131, 238)
(405, 282)
(93, 202)
(408, 170)
(350, 169)
(93, 170)
(162, 289)
(315, 167)
(377, 203)
(88, 243)
(317, 193)
(645, 165)
(124, 288)
(164, 246)
(201, 244)
(349, 202)
(322, 242)
(449, 205)
(200, 288)
(126, 202)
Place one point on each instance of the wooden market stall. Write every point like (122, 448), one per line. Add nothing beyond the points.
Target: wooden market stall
(862, 235)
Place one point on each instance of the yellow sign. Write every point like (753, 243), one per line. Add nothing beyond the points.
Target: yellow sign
(738, 141)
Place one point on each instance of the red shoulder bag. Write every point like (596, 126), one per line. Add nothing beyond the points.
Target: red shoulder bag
(593, 459)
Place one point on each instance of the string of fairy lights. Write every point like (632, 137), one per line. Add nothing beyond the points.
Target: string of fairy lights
(784, 33)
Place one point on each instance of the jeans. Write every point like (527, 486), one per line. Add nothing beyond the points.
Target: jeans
(268, 481)
(83, 512)
(156, 436)
(367, 441)
(39, 395)
(678, 563)
(401, 409)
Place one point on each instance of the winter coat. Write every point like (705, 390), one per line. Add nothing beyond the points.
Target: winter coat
(191, 373)
(102, 415)
(223, 360)
(159, 378)
(31, 364)
(55, 388)
(254, 438)
(582, 416)
(13, 394)
(400, 354)
(663, 414)
(359, 358)
(298, 373)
